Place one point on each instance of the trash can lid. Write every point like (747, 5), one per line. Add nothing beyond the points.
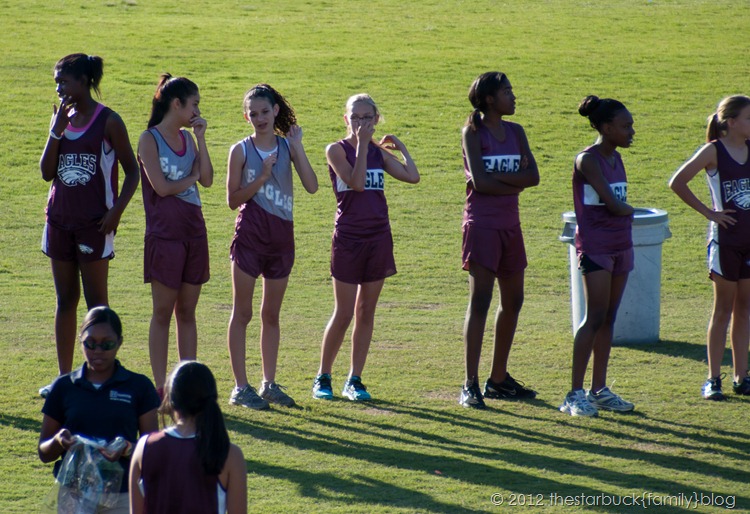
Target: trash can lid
(641, 216)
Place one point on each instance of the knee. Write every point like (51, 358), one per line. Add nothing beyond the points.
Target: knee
(242, 316)
(480, 303)
(512, 305)
(162, 314)
(67, 301)
(341, 319)
(269, 317)
(596, 318)
(184, 314)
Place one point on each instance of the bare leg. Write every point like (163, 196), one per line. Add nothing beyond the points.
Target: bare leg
(481, 284)
(597, 287)
(163, 300)
(364, 323)
(724, 299)
(506, 320)
(345, 297)
(603, 337)
(270, 333)
(184, 313)
(740, 333)
(243, 287)
(68, 292)
(94, 276)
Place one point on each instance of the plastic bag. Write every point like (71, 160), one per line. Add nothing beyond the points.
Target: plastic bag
(86, 479)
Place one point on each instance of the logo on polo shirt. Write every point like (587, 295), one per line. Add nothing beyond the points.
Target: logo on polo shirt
(120, 397)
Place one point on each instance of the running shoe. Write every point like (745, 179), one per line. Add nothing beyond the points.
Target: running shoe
(576, 404)
(471, 397)
(44, 391)
(742, 387)
(322, 389)
(247, 397)
(355, 390)
(712, 389)
(508, 389)
(273, 393)
(605, 399)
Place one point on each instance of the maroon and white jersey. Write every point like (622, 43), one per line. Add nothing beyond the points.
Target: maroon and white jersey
(85, 186)
(598, 231)
(730, 189)
(173, 479)
(498, 212)
(362, 215)
(174, 217)
(264, 223)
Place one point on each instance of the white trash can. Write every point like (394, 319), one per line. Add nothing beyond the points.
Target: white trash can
(638, 316)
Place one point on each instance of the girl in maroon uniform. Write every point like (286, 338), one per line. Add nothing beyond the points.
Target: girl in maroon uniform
(259, 182)
(498, 165)
(362, 246)
(726, 159)
(605, 251)
(86, 140)
(190, 466)
(175, 255)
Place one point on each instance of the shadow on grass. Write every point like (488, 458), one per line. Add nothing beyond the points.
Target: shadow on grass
(30, 425)
(694, 351)
(448, 455)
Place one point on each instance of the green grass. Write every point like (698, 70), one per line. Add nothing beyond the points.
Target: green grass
(413, 449)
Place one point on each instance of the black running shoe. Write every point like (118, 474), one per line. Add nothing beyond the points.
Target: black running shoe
(471, 397)
(712, 389)
(508, 389)
(742, 387)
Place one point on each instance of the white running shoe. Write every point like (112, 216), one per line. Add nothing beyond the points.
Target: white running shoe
(605, 399)
(576, 404)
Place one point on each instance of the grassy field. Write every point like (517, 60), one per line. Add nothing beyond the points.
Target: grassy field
(413, 449)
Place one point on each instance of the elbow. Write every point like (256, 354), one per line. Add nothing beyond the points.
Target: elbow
(312, 189)
(43, 456)
(415, 179)
(232, 204)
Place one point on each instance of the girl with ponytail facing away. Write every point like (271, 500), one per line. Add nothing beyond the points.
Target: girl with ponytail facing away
(189, 467)
(175, 256)
(726, 159)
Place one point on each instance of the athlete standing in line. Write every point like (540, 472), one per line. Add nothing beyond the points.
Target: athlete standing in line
(86, 140)
(726, 159)
(259, 182)
(605, 251)
(498, 164)
(175, 255)
(362, 245)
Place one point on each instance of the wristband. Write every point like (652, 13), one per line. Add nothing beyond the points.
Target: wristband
(53, 135)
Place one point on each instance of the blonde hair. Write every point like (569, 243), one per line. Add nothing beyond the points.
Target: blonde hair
(365, 99)
(730, 107)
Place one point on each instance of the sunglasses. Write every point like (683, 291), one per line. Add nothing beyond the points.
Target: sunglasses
(104, 345)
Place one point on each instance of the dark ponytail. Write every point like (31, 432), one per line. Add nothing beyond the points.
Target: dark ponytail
(78, 65)
(286, 117)
(168, 89)
(191, 391)
(483, 86)
(599, 111)
(728, 108)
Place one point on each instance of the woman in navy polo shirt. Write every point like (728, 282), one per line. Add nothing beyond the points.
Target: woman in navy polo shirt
(99, 400)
